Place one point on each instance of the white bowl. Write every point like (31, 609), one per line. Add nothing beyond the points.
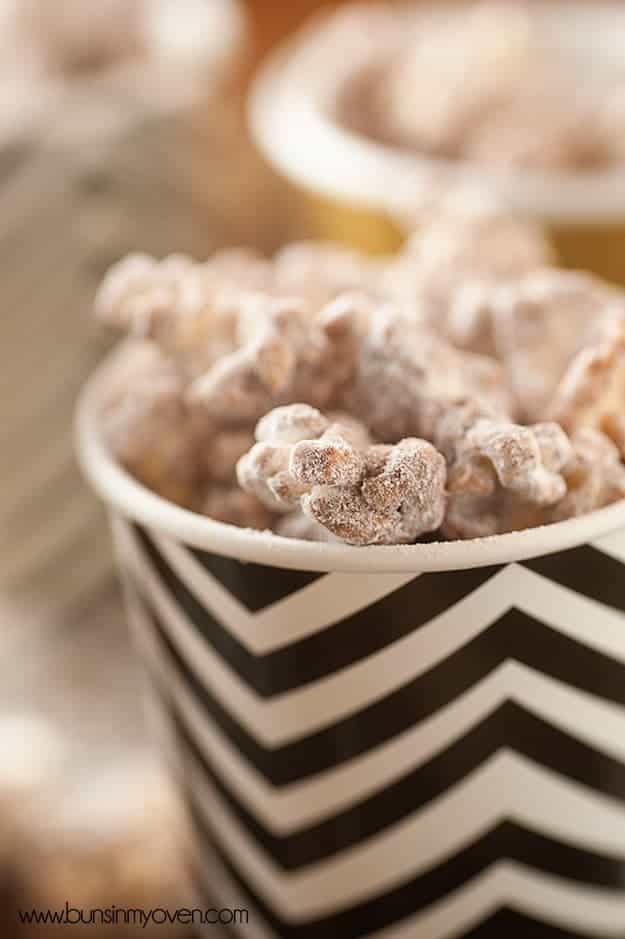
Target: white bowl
(292, 120)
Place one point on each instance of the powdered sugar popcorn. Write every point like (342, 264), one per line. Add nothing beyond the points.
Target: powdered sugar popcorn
(327, 396)
(360, 492)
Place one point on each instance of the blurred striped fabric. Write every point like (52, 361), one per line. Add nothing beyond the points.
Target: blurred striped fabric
(104, 182)
(111, 172)
(52, 555)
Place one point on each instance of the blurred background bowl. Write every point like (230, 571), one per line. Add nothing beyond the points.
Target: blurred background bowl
(355, 189)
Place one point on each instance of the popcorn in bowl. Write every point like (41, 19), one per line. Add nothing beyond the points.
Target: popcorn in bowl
(315, 396)
(491, 83)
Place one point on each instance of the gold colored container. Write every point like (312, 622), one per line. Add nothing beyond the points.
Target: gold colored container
(333, 220)
(595, 246)
(356, 190)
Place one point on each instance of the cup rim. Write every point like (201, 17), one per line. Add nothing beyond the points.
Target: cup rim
(296, 132)
(131, 499)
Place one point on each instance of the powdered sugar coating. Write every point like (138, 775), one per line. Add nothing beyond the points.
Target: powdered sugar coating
(406, 376)
(539, 323)
(200, 313)
(290, 424)
(446, 271)
(500, 473)
(453, 74)
(484, 83)
(319, 271)
(542, 135)
(592, 391)
(331, 460)
(160, 438)
(172, 302)
(595, 475)
(241, 268)
(299, 447)
(248, 381)
(286, 355)
(263, 472)
(360, 493)
(223, 449)
(390, 413)
(400, 503)
(154, 433)
(478, 240)
(139, 292)
(515, 455)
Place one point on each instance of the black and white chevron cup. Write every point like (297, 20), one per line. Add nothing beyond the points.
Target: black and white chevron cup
(418, 742)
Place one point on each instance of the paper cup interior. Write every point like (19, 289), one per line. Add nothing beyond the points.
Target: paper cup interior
(125, 496)
(290, 113)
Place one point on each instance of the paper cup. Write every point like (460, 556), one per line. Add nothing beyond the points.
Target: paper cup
(423, 741)
(354, 189)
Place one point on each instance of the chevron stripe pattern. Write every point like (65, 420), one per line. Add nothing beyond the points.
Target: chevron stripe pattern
(427, 756)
